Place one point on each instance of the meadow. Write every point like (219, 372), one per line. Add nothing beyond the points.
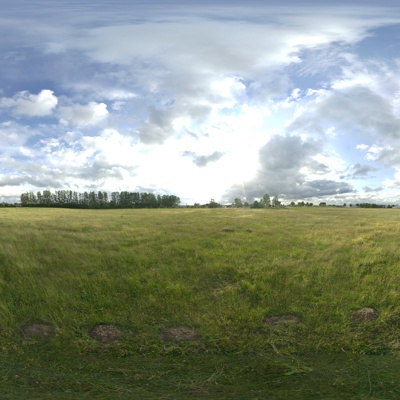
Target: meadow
(299, 303)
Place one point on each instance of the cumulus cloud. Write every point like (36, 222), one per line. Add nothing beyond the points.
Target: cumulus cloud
(31, 105)
(351, 108)
(37, 177)
(185, 63)
(200, 98)
(360, 171)
(362, 147)
(83, 115)
(240, 43)
(282, 159)
(169, 120)
(387, 155)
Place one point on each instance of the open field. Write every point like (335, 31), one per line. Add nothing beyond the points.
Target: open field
(299, 303)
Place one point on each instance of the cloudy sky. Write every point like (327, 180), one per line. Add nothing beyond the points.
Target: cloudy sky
(202, 99)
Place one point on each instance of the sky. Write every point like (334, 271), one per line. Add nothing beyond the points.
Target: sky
(203, 100)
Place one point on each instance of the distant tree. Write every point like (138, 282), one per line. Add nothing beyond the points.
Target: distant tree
(213, 204)
(238, 202)
(257, 204)
(276, 202)
(266, 200)
(24, 199)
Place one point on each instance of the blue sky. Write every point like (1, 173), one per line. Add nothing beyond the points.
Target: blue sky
(219, 100)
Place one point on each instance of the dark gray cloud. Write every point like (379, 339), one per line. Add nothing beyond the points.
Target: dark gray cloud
(287, 153)
(202, 161)
(390, 156)
(360, 171)
(36, 181)
(367, 189)
(159, 124)
(99, 171)
(158, 127)
(281, 162)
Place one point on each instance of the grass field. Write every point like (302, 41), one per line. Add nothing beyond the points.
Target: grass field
(291, 303)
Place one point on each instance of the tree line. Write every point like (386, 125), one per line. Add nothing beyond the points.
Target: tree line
(263, 202)
(373, 205)
(97, 199)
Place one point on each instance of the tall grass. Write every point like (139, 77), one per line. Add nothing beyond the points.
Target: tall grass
(220, 271)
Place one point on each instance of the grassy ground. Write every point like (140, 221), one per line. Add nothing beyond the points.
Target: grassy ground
(220, 274)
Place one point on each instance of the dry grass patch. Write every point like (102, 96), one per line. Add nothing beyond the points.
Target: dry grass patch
(365, 314)
(179, 334)
(37, 330)
(105, 333)
(282, 319)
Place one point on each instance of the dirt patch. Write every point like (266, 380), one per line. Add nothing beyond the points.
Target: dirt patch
(365, 314)
(282, 320)
(37, 330)
(179, 334)
(105, 333)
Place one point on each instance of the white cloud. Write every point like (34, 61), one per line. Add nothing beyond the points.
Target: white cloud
(373, 152)
(83, 115)
(241, 45)
(362, 147)
(202, 98)
(26, 151)
(31, 105)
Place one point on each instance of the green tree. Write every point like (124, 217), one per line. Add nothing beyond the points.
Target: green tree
(266, 200)
(24, 199)
(276, 202)
(257, 204)
(213, 204)
(238, 202)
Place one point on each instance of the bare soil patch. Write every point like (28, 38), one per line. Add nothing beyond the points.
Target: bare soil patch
(178, 334)
(228, 230)
(365, 314)
(282, 320)
(105, 333)
(37, 330)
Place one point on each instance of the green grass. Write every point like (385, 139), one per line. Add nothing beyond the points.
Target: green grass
(219, 271)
